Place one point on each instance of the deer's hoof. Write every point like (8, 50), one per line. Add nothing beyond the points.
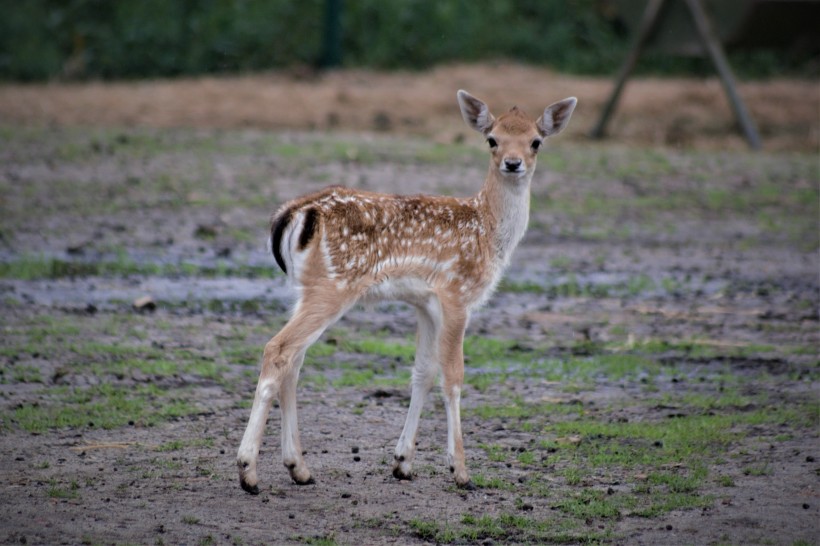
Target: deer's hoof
(252, 489)
(467, 486)
(299, 474)
(402, 468)
(247, 476)
(400, 474)
(308, 481)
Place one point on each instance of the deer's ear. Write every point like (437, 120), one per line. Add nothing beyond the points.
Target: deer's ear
(475, 112)
(556, 117)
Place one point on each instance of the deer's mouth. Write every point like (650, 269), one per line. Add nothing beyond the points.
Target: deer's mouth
(513, 172)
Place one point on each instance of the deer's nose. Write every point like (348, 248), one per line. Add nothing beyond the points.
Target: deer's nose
(512, 165)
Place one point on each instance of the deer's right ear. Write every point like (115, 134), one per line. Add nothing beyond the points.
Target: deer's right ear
(475, 112)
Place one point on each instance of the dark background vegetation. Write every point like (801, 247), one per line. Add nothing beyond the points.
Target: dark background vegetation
(83, 39)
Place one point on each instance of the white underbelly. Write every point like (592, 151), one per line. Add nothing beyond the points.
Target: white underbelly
(412, 290)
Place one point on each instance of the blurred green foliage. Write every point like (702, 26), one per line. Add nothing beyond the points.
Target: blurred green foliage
(569, 35)
(41, 39)
(76, 39)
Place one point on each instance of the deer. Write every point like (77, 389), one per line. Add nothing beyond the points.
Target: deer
(442, 255)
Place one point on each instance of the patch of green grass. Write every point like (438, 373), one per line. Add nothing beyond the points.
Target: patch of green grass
(321, 349)
(491, 482)
(55, 491)
(97, 351)
(122, 360)
(334, 149)
(504, 528)
(370, 378)
(575, 373)
(42, 267)
(526, 458)
(674, 455)
(103, 406)
(324, 151)
(573, 474)
(24, 373)
(483, 381)
(355, 378)
(642, 443)
(561, 263)
(689, 440)
(480, 350)
(335, 354)
(38, 330)
(173, 445)
(244, 354)
(521, 287)
(760, 469)
(655, 504)
(495, 453)
(431, 531)
(166, 464)
(778, 196)
(728, 398)
(403, 352)
(569, 288)
(593, 504)
(320, 540)
(447, 154)
(700, 349)
(518, 409)
(680, 482)
(726, 481)
(207, 540)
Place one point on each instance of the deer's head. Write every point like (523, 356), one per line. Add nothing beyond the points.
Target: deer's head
(514, 139)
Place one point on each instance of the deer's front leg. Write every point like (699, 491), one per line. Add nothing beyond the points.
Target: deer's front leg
(425, 371)
(452, 364)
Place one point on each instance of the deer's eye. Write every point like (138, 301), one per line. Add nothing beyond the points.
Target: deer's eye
(535, 145)
(491, 141)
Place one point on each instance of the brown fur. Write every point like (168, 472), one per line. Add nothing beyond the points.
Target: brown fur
(369, 236)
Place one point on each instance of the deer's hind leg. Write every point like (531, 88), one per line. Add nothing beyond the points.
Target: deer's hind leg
(281, 362)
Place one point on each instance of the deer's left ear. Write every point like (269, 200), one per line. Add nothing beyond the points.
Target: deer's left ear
(556, 117)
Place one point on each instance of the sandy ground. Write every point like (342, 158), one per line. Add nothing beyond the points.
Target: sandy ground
(673, 112)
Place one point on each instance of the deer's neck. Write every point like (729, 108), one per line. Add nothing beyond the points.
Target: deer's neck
(507, 204)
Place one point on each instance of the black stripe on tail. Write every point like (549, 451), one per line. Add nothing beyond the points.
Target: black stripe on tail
(309, 228)
(277, 228)
(281, 222)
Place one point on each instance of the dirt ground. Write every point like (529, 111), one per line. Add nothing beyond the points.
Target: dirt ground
(646, 374)
(669, 112)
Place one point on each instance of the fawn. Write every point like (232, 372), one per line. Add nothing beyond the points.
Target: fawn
(442, 255)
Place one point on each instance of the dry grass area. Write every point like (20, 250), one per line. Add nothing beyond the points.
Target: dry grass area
(653, 112)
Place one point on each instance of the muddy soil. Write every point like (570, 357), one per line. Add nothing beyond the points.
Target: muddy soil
(656, 289)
